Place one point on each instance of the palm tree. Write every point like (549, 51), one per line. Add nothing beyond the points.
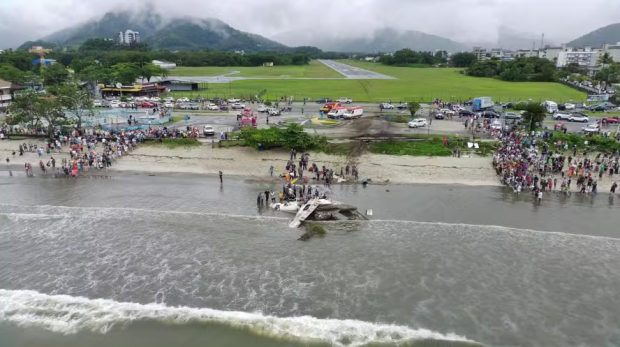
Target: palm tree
(605, 59)
(534, 114)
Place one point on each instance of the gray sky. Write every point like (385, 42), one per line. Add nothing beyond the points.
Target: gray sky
(459, 20)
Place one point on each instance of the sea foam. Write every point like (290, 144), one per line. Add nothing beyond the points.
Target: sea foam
(68, 315)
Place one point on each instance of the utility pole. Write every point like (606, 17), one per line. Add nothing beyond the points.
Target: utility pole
(542, 41)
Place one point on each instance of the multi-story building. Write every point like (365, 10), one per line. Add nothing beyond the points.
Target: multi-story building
(613, 50)
(5, 94)
(128, 37)
(585, 58)
(481, 53)
(526, 53)
(551, 53)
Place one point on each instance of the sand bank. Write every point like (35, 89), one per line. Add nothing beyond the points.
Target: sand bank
(246, 162)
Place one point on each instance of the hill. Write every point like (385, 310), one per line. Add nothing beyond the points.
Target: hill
(180, 33)
(190, 34)
(608, 34)
(383, 40)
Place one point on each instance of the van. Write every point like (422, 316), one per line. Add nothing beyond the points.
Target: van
(550, 106)
(353, 112)
(337, 112)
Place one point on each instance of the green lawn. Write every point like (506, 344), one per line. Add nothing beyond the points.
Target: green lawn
(313, 70)
(420, 84)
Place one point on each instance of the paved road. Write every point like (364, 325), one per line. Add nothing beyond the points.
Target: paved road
(352, 72)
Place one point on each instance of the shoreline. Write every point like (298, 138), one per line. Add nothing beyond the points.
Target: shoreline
(250, 165)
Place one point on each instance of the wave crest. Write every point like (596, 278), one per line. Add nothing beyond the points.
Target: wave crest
(68, 315)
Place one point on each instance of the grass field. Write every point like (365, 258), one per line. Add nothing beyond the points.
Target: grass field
(313, 70)
(420, 84)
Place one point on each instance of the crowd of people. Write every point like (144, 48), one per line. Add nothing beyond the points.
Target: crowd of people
(535, 161)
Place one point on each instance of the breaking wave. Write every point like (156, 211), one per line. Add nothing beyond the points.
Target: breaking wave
(68, 315)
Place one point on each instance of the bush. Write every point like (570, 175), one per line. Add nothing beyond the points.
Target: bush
(267, 103)
(292, 136)
(433, 147)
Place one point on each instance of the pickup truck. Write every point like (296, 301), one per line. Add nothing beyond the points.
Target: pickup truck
(344, 100)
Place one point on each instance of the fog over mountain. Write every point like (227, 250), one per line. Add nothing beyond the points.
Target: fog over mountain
(463, 21)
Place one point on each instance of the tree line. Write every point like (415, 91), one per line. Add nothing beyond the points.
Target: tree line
(408, 57)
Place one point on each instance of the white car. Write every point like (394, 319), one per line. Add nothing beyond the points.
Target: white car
(212, 107)
(578, 118)
(169, 99)
(98, 103)
(141, 98)
(569, 106)
(237, 106)
(155, 99)
(233, 100)
(417, 123)
(344, 100)
(561, 116)
(273, 112)
(591, 128)
(497, 125)
(386, 106)
(262, 108)
(179, 100)
(208, 131)
(168, 105)
(115, 103)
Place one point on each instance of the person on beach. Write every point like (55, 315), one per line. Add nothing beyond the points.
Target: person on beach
(221, 180)
(271, 168)
(613, 188)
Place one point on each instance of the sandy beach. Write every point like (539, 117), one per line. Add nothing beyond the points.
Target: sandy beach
(247, 162)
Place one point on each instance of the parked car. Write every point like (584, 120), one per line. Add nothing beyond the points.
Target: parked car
(183, 106)
(147, 104)
(508, 105)
(468, 103)
(194, 107)
(233, 100)
(386, 106)
(224, 107)
(578, 118)
(155, 99)
(208, 131)
(262, 108)
(612, 120)
(417, 123)
(115, 103)
(569, 106)
(179, 100)
(466, 113)
(591, 128)
(98, 103)
(561, 116)
(344, 100)
(237, 106)
(168, 105)
(489, 114)
(403, 106)
(323, 100)
(273, 112)
(212, 107)
(169, 99)
(497, 125)
(439, 115)
(512, 115)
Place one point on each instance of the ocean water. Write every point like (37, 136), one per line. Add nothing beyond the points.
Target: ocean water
(181, 260)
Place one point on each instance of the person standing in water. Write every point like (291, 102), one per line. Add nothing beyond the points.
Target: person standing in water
(221, 180)
(613, 188)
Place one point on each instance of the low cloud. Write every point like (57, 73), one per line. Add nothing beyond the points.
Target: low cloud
(460, 20)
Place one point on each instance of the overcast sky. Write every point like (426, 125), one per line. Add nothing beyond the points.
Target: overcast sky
(460, 20)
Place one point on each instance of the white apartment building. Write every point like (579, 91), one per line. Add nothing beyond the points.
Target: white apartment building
(552, 53)
(526, 53)
(481, 53)
(586, 57)
(128, 37)
(5, 94)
